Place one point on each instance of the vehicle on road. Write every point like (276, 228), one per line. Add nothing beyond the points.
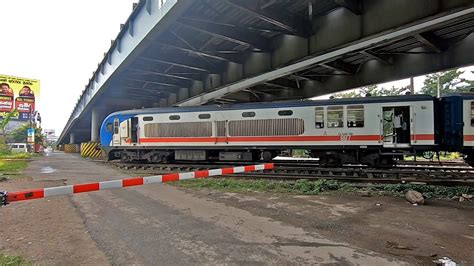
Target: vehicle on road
(18, 147)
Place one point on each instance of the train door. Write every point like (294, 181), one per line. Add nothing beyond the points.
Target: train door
(124, 131)
(396, 126)
(453, 126)
(221, 131)
(134, 129)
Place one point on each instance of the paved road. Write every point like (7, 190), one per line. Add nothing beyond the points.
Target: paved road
(159, 224)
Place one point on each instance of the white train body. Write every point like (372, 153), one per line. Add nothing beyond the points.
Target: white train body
(320, 126)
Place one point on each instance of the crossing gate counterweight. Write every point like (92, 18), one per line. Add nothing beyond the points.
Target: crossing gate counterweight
(8, 197)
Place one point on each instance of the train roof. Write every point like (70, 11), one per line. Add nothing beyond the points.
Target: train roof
(464, 95)
(280, 104)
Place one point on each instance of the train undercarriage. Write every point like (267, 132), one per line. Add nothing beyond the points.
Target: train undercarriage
(332, 157)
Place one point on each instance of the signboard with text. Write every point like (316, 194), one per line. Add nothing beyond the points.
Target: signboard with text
(18, 93)
(31, 135)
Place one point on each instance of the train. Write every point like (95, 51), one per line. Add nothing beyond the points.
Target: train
(368, 130)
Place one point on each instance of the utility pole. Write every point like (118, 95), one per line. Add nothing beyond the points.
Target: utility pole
(32, 147)
(412, 86)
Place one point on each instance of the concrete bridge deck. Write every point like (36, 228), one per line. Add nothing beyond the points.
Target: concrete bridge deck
(193, 52)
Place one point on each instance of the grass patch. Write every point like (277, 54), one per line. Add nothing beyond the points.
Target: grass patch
(6, 260)
(309, 187)
(302, 186)
(13, 163)
(14, 156)
(443, 156)
(12, 167)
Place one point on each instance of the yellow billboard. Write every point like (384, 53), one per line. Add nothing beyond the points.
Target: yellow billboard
(20, 94)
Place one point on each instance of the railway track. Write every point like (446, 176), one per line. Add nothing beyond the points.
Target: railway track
(445, 173)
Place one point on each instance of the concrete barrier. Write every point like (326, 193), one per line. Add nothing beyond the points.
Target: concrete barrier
(71, 148)
(91, 150)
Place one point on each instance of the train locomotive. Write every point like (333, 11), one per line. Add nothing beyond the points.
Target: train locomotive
(371, 130)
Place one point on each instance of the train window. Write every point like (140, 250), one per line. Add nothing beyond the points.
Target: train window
(148, 118)
(116, 125)
(335, 116)
(109, 127)
(355, 116)
(248, 114)
(319, 117)
(175, 117)
(285, 113)
(204, 116)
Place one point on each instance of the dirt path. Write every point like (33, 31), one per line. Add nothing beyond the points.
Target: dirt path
(386, 225)
(46, 231)
(160, 224)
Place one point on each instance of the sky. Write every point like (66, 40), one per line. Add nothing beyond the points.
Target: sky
(60, 43)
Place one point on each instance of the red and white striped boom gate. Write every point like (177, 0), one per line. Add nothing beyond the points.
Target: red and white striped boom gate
(8, 197)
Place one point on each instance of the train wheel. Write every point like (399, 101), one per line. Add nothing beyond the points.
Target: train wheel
(266, 156)
(153, 159)
(385, 161)
(428, 155)
(331, 161)
(124, 158)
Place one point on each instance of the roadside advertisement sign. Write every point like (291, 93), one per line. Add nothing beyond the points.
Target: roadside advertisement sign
(19, 93)
(31, 135)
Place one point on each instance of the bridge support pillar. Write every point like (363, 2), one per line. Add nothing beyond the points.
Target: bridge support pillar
(196, 88)
(172, 99)
(183, 93)
(212, 81)
(162, 102)
(72, 138)
(95, 125)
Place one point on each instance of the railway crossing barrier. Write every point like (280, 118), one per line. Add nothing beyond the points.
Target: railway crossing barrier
(8, 197)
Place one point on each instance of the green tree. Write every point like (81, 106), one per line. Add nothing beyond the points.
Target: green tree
(450, 82)
(373, 90)
(3, 125)
(21, 134)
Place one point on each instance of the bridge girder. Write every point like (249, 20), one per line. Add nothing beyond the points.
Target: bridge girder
(198, 51)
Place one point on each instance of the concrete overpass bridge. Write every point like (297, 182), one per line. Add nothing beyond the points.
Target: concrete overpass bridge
(195, 52)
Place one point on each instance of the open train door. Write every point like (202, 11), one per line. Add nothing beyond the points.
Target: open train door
(397, 126)
(134, 129)
(124, 131)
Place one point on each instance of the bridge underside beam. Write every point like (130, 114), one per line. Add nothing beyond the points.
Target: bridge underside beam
(198, 52)
(424, 40)
(376, 71)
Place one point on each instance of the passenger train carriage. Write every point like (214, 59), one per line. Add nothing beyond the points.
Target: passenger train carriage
(371, 130)
(457, 124)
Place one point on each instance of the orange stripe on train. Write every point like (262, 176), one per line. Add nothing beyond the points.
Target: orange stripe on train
(468, 137)
(283, 138)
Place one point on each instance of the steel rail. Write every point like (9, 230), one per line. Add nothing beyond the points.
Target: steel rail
(429, 174)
